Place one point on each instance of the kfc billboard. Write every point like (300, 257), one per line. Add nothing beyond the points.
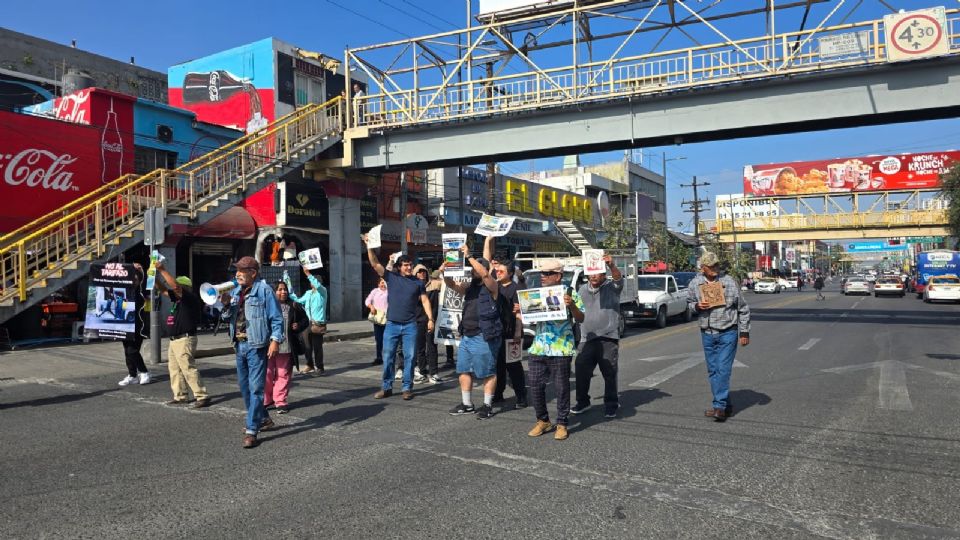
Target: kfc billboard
(44, 164)
(843, 175)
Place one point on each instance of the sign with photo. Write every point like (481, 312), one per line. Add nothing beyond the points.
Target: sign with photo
(447, 327)
(514, 350)
(310, 259)
(494, 225)
(111, 301)
(543, 304)
(454, 263)
(593, 262)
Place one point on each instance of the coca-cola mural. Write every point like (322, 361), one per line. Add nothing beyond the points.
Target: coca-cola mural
(872, 173)
(46, 163)
(233, 88)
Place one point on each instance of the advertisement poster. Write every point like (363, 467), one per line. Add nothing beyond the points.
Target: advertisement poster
(454, 264)
(593, 262)
(447, 331)
(494, 225)
(543, 304)
(310, 259)
(111, 301)
(843, 175)
(373, 237)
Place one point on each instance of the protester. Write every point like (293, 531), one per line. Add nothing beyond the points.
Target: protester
(136, 370)
(256, 329)
(601, 338)
(481, 332)
(719, 328)
(818, 286)
(503, 270)
(422, 273)
(277, 387)
(550, 355)
(315, 303)
(181, 328)
(430, 352)
(376, 302)
(799, 283)
(403, 293)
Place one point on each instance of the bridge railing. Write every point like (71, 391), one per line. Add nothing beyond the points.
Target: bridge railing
(710, 65)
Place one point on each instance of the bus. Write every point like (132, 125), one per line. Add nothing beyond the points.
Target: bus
(938, 262)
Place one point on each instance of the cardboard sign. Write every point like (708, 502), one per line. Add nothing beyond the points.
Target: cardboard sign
(711, 292)
(494, 225)
(454, 263)
(593, 262)
(514, 350)
(310, 259)
(543, 304)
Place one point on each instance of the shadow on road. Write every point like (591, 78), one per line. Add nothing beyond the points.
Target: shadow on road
(856, 316)
(345, 416)
(744, 399)
(630, 401)
(940, 356)
(55, 400)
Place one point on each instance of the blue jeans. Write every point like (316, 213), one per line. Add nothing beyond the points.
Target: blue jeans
(391, 336)
(720, 350)
(251, 376)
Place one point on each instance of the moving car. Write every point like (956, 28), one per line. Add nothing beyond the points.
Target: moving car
(945, 287)
(766, 285)
(889, 285)
(787, 283)
(856, 285)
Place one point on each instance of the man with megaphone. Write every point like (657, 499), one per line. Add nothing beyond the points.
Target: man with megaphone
(256, 329)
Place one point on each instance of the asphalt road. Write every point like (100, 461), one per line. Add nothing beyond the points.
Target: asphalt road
(845, 426)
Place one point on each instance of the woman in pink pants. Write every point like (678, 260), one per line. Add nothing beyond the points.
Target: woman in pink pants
(279, 367)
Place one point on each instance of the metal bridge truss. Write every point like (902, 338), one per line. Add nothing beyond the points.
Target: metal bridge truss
(835, 216)
(606, 50)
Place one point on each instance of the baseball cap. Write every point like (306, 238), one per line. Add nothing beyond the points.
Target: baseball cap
(551, 265)
(246, 263)
(709, 259)
(185, 281)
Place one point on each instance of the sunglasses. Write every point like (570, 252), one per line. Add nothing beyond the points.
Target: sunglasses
(549, 273)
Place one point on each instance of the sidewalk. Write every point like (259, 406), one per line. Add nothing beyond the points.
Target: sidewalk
(210, 345)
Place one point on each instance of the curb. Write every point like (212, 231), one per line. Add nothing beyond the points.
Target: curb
(330, 336)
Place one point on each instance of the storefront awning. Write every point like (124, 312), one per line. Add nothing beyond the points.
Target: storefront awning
(236, 223)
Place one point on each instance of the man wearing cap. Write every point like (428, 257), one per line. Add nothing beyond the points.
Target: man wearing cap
(719, 329)
(181, 327)
(404, 291)
(480, 334)
(551, 353)
(256, 328)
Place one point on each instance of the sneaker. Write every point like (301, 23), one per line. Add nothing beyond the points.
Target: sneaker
(417, 373)
(308, 370)
(436, 379)
(399, 375)
(520, 404)
(144, 378)
(485, 412)
(127, 380)
(579, 408)
(282, 409)
(418, 378)
(610, 411)
(540, 428)
(461, 409)
(561, 433)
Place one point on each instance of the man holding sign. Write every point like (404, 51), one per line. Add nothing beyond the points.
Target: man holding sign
(601, 335)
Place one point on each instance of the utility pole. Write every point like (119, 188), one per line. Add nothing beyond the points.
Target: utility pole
(694, 206)
(403, 212)
(491, 167)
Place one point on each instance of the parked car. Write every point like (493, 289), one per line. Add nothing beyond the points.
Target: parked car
(889, 285)
(856, 285)
(683, 278)
(659, 298)
(766, 285)
(787, 283)
(942, 288)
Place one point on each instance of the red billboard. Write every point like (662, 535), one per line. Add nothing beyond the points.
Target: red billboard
(46, 163)
(842, 175)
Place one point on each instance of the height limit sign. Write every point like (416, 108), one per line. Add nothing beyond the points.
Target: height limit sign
(916, 34)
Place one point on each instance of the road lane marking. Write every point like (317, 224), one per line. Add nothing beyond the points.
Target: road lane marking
(809, 344)
(857, 304)
(667, 357)
(665, 374)
(894, 395)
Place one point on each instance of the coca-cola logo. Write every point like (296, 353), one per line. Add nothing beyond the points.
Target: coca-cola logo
(214, 87)
(70, 108)
(112, 147)
(33, 167)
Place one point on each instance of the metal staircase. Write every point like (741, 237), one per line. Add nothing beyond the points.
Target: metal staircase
(55, 250)
(574, 235)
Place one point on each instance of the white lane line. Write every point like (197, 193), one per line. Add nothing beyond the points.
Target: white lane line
(809, 344)
(665, 374)
(857, 304)
(892, 386)
(667, 357)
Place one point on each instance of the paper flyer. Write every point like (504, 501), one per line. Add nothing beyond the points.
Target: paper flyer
(543, 304)
(373, 237)
(494, 225)
(593, 262)
(310, 259)
(454, 265)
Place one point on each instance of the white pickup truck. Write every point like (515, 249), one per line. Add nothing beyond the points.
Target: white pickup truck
(658, 298)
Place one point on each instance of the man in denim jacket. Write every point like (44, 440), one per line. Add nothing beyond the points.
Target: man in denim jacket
(256, 329)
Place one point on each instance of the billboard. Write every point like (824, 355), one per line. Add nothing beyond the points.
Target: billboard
(745, 211)
(844, 175)
(871, 247)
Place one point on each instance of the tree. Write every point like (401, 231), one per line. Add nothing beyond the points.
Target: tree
(735, 262)
(951, 193)
(667, 248)
(619, 232)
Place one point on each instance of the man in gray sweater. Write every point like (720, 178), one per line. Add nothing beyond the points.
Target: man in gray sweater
(601, 338)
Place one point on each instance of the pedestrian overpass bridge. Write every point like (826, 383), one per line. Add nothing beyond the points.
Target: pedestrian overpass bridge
(435, 111)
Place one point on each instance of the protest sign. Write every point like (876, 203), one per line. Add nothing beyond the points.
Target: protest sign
(310, 259)
(514, 350)
(454, 264)
(494, 225)
(373, 237)
(593, 262)
(111, 301)
(447, 327)
(543, 304)
(711, 293)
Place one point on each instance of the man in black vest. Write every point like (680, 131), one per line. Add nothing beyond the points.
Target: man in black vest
(480, 334)
(503, 270)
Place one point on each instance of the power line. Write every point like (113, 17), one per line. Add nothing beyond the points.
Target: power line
(695, 206)
(368, 18)
(412, 16)
(434, 15)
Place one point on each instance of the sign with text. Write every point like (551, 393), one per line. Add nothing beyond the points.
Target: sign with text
(310, 259)
(303, 205)
(916, 34)
(447, 328)
(453, 260)
(593, 262)
(111, 301)
(494, 225)
(543, 304)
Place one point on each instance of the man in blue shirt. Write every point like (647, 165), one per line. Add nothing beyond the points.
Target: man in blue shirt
(404, 290)
(256, 329)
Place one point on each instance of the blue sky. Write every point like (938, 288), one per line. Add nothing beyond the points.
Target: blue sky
(163, 34)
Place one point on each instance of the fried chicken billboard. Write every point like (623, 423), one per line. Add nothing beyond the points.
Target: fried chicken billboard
(844, 175)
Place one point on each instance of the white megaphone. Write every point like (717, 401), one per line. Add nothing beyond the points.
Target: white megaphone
(210, 294)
